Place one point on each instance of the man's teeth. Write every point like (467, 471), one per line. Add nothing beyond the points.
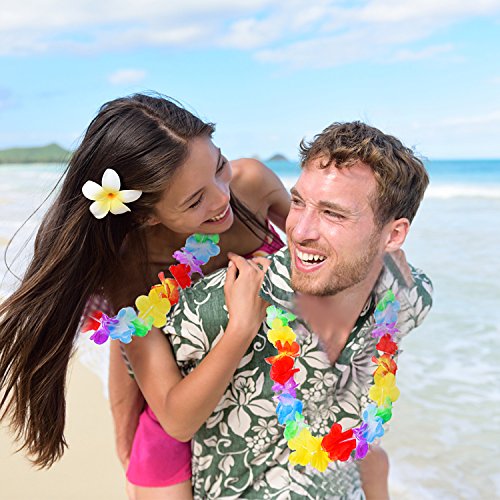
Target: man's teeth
(219, 217)
(309, 257)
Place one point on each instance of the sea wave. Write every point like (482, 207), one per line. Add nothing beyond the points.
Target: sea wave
(446, 191)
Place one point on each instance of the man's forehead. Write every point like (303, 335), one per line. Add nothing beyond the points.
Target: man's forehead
(351, 185)
(355, 174)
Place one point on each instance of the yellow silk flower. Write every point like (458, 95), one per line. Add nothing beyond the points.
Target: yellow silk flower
(385, 387)
(153, 305)
(108, 197)
(280, 332)
(308, 450)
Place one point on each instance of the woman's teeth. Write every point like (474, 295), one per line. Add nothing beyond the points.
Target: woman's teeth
(219, 217)
(310, 258)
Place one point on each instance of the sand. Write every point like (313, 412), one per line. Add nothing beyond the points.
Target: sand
(89, 468)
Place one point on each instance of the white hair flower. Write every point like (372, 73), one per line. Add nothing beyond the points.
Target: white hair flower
(108, 197)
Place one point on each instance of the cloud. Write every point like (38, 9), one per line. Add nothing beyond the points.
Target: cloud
(425, 53)
(488, 118)
(127, 77)
(294, 33)
(376, 31)
(90, 25)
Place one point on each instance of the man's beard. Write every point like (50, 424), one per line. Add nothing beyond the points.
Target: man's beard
(346, 273)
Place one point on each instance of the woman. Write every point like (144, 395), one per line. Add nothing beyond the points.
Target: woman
(158, 149)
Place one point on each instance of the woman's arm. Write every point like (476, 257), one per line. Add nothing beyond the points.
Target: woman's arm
(182, 405)
(126, 403)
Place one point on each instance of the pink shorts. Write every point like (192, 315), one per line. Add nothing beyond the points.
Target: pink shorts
(157, 459)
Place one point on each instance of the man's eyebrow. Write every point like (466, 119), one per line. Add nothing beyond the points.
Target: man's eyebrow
(194, 195)
(330, 205)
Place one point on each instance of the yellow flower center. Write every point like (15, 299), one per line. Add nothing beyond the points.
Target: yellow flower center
(111, 195)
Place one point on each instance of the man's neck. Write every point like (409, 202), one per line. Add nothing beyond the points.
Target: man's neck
(333, 317)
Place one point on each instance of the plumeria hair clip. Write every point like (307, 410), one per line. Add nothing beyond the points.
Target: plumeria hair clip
(108, 197)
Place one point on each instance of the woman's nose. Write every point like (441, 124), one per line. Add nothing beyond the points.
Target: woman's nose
(221, 196)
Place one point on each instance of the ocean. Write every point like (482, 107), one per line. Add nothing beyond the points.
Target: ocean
(444, 438)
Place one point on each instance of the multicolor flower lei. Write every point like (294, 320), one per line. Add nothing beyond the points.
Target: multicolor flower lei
(337, 444)
(154, 307)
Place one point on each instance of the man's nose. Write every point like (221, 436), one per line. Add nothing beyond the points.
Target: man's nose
(306, 227)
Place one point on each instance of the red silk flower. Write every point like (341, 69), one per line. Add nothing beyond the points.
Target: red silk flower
(338, 444)
(92, 322)
(386, 344)
(290, 349)
(181, 274)
(282, 370)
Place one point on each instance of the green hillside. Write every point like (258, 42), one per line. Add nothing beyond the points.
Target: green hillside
(53, 153)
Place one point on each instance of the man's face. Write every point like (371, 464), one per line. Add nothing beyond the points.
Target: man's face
(333, 239)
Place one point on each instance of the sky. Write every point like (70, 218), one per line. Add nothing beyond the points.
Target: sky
(268, 73)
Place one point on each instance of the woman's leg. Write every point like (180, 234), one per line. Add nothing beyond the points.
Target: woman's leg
(374, 469)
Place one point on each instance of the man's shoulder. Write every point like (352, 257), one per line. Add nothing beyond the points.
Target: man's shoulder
(412, 288)
(200, 317)
(276, 288)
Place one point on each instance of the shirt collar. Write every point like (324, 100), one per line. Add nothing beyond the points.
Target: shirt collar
(277, 289)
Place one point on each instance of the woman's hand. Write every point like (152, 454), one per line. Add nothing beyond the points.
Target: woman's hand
(243, 282)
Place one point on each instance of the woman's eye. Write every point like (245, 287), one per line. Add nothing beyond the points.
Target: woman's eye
(196, 203)
(221, 167)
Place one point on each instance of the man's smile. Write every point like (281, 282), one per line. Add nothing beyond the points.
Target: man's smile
(308, 260)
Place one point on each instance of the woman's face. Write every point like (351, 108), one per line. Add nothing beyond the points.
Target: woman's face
(197, 198)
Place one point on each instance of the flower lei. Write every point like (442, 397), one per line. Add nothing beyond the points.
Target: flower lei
(154, 307)
(337, 444)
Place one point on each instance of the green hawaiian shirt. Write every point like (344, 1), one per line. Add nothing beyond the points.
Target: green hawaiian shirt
(240, 452)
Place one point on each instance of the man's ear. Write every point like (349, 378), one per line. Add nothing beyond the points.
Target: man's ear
(396, 234)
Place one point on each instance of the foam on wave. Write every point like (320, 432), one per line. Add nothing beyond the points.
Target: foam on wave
(446, 191)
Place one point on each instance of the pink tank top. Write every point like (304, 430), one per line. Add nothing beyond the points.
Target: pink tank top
(271, 244)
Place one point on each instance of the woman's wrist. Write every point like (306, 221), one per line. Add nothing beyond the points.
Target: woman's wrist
(243, 329)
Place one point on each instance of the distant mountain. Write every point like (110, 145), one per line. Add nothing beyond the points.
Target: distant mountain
(278, 157)
(52, 153)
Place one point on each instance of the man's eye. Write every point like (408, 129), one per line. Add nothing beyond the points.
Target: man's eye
(295, 201)
(196, 203)
(334, 215)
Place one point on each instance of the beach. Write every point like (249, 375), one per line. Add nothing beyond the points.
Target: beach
(444, 438)
(89, 469)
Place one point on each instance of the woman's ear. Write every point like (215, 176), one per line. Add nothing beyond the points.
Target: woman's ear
(151, 220)
(396, 235)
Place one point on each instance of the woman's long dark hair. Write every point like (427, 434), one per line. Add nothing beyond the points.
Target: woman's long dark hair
(145, 139)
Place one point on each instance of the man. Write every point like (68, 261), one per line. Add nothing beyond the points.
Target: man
(351, 211)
